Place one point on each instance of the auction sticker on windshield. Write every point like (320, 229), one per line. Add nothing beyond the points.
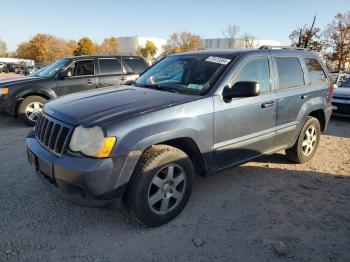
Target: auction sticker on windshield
(218, 60)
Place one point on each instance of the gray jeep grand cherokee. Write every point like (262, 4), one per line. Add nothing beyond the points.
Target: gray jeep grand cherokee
(191, 113)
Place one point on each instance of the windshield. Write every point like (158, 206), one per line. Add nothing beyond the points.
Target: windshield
(346, 84)
(50, 70)
(184, 74)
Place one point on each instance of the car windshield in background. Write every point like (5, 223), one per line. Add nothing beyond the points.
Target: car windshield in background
(346, 84)
(184, 74)
(51, 70)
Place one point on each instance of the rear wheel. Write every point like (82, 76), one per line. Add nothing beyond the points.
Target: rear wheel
(30, 108)
(160, 186)
(306, 146)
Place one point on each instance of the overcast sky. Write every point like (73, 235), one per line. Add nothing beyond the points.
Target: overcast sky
(266, 19)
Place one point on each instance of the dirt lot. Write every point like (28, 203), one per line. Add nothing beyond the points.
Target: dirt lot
(268, 210)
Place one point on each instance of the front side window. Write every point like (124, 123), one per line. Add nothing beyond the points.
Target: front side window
(81, 68)
(316, 73)
(256, 70)
(193, 74)
(109, 66)
(290, 73)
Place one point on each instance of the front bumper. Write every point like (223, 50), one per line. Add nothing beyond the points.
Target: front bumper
(83, 180)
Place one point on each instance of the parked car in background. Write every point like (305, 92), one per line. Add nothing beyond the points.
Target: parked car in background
(24, 97)
(339, 77)
(341, 99)
(191, 113)
(11, 67)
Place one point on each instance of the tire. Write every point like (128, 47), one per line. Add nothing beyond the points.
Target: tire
(33, 103)
(153, 198)
(302, 151)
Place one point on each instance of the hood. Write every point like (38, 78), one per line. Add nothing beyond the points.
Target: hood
(17, 80)
(342, 92)
(111, 104)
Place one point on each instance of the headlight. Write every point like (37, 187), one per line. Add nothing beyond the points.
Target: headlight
(91, 142)
(4, 91)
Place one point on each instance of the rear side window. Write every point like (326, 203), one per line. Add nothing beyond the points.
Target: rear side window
(137, 64)
(256, 70)
(316, 73)
(290, 73)
(109, 66)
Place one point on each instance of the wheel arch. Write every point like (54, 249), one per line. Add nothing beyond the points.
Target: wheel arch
(42, 93)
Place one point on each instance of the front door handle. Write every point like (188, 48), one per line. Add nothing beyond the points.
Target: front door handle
(304, 96)
(122, 78)
(89, 81)
(268, 104)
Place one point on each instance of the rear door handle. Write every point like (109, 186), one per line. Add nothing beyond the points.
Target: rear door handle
(304, 96)
(122, 78)
(89, 81)
(268, 104)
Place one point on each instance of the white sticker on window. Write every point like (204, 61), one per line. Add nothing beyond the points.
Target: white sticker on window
(218, 60)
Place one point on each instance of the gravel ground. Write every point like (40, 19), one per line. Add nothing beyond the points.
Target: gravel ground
(267, 210)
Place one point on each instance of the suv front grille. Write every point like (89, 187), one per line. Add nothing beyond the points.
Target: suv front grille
(52, 134)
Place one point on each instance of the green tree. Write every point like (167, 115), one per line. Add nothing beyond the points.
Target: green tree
(148, 51)
(85, 47)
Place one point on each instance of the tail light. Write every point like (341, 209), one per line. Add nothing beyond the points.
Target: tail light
(330, 92)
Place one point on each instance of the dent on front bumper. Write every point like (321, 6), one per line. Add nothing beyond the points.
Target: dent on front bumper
(83, 180)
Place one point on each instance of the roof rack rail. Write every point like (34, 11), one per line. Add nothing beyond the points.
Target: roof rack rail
(283, 47)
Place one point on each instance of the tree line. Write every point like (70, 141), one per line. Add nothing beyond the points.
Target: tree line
(333, 42)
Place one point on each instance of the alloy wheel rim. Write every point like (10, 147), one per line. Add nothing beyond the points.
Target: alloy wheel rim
(309, 140)
(167, 189)
(33, 110)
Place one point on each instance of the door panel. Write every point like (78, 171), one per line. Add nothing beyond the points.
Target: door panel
(80, 77)
(243, 128)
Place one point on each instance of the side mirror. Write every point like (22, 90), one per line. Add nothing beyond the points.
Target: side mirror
(241, 89)
(65, 74)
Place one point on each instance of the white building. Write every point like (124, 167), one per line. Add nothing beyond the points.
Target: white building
(224, 43)
(130, 44)
(27, 62)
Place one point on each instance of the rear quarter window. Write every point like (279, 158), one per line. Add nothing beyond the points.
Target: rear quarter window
(290, 73)
(136, 64)
(316, 73)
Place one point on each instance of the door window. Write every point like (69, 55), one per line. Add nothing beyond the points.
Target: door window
(290, 73)
(109, 66)
(81, 68)
(257, 70)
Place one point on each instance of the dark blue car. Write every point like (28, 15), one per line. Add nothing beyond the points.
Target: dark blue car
(191, 113)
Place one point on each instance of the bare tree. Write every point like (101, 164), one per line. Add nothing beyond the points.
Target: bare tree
(249, 40)
(337, 40)
(307, 37)
(3, 48)
(230, 33)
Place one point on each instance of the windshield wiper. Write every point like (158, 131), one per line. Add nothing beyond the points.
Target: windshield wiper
(157, 87)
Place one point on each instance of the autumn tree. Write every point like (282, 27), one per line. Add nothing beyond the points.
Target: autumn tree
(148, 51)
(45, 48)
(85, 47)
(3, 48)
(307, 37)
(337, 40)
(108, 46)
(230, 33)
(182, 42)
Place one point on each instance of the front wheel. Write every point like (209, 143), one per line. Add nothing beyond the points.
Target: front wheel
(160, 185)
(306, 146)
(30, 108)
